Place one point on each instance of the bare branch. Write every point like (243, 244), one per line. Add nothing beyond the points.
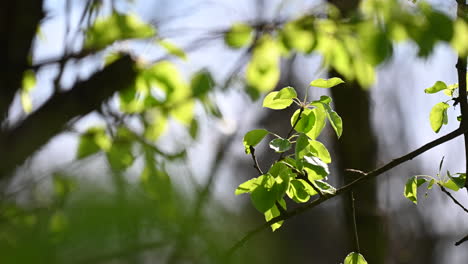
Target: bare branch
(453, 198)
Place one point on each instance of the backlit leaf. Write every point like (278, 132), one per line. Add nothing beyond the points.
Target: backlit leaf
(354, 258)
(438, 115)
(280, 99)
(326, 83)
(253, 137)
(437, 87)
(239, 35)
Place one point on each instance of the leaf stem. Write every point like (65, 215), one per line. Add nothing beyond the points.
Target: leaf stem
(356, 237)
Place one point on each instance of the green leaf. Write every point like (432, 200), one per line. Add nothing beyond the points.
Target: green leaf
(299, 34)
(333, 117)
(157, 125)
(320, 151)
(264, 196)
(354, 258)
(411, 188)
(326, 83)
(302, 143)
(92, 141)
(253, 137)
(193, 129)
(239, 35)
(183, 112)
(172, 49)
(202, 82)
(306, 121)
(275, 212)
(263, 71)
(297, 191)
(438, 116)
(325, 187)
(460, 180)
(316, 168)
(249, 186)
(120, 155)
(280, 99)
(437, 87)
(320, 115)
(28, 84)
(431, 183)
(116, 27)
(280, 145)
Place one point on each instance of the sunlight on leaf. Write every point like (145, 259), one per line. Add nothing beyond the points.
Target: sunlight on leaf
(326, 83)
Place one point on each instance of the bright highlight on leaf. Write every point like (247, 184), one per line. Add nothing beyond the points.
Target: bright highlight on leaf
(438, 116)
(437, 87)
(116, 27)
(354, 258)
(326, 83)
(280, 99)
(171, 48)
(280, 145)
(252, 138)
(411, 188)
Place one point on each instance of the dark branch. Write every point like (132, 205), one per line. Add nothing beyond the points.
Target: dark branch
(350, 186)
(459, 242)
(453, 198)
(52, 117)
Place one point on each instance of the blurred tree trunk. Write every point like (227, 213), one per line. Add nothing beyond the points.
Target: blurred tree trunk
(357, 149)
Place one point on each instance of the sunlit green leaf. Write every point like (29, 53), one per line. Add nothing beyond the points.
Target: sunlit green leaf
(297, 191)
(171, 48)
(320, 151)
(264, 196)
(302, 144)
(92, 141)
(354, 258)
(249, 186)
(184, 112)
(280, 99)
(263, 72)
(411, 188)
(299, 34)
(438, 115)
(320, 116)
(157, 125)
(115, 27)
(326, 83)
(280, 145)
(239, 35)
(28, 84)
(253, 137)
(306, 120)
(275, 212)
(437, 87)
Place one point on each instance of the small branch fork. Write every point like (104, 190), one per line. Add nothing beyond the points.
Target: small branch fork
(365, 176)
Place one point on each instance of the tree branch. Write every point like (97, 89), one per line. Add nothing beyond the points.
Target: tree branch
(18, 143)
(453, 198)
(350, 186)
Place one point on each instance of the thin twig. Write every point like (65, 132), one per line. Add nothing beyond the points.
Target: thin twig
(453, 198)
(349, 186)
(459, 242)
(256, 166)
(356, 237)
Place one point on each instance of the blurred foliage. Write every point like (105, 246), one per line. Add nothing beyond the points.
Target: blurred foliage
(96, 223)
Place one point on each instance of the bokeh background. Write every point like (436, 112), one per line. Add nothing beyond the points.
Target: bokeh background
(391, 119)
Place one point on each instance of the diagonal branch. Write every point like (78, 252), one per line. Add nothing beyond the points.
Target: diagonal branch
(51, 118)
(453, 198)
(350, 186)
